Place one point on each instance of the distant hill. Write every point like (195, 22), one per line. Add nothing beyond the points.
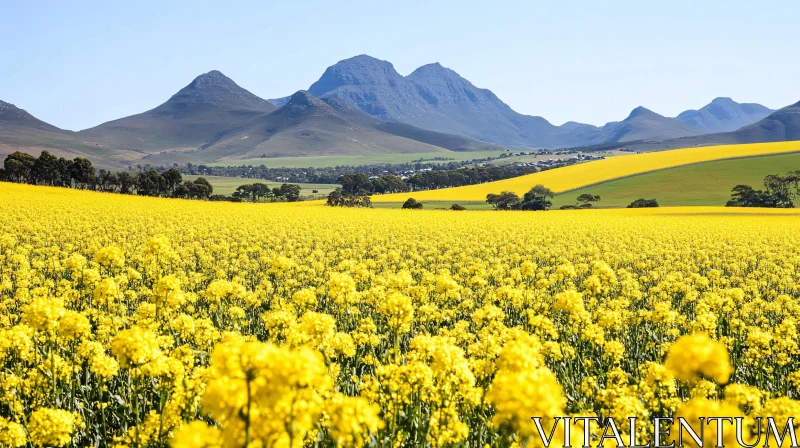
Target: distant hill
(308, 126)
(198, 113)
(21, 131)
(781, 125)
(11, 115)
(643, 124)
(724, 115)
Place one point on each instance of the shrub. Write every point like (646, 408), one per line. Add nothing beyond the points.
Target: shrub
(337, 198)
(412, 203)
(457, 207)
(643, 203)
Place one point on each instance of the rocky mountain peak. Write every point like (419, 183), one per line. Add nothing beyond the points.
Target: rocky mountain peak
(723, 100)
(11, 112)
(302, 103)
(360, 70)
(642, 111)
(216, 90)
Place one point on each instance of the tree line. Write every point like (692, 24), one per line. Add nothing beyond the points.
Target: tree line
(426, 176)
(260, 192)
(361, 184)
(536, 199)
(780, 192)
(47, 169)
(322, 175)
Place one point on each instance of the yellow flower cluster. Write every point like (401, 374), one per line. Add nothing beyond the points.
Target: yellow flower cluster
(144, 322)
(584, 174)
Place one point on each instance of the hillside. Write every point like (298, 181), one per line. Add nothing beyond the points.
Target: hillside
(642, 124)
(781, 125)
(584, 174)
(198, 113)
(306, 126)
(21, 131)
(707, 183)
(724, 115)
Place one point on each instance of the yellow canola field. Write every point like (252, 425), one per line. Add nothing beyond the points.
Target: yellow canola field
(143, 322)
(581, 175)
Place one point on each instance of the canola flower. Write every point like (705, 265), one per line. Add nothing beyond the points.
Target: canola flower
(590, 173)
(145, 322)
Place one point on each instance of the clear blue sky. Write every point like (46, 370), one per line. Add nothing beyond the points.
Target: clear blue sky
(79, 63)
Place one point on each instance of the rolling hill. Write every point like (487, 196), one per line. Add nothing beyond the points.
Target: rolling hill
(724, 115)
(308, 126)
(707, 183)
(781, 125)
(213, 119)
(21, 131)
(573, 177)
(210, 105)
(642, 124)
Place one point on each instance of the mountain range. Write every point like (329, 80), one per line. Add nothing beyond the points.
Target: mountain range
(781, 125)
(437, 98)
(363, 106)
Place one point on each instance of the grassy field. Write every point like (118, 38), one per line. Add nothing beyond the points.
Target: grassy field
(331, 161)
(701, 184)
(227, 185)
(706, 183)
(591, 173)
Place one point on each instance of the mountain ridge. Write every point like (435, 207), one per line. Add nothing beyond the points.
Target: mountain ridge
(433, 106)
(209, 105)
(723, 114)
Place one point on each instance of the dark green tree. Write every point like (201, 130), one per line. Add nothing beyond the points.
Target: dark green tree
(506, 200)
(290, 191)
(82, 173)
(537, 198)
(18, 166)
(172, 178)
(150, 183)
(412, 203)
(45, 169)
(586, 200)
(64, 168)
(338, 198)
(356, 184)
(107, 181)
(746, 196)
(643, 203)
(394, 183)
(200, 189)
(127, 182)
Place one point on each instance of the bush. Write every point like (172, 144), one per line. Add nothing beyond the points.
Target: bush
(457, 207)
(568, 207)
(643, 203)
(537, 198)
(746, 196)
(223, 198)
(337, 198)
(412, 203)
